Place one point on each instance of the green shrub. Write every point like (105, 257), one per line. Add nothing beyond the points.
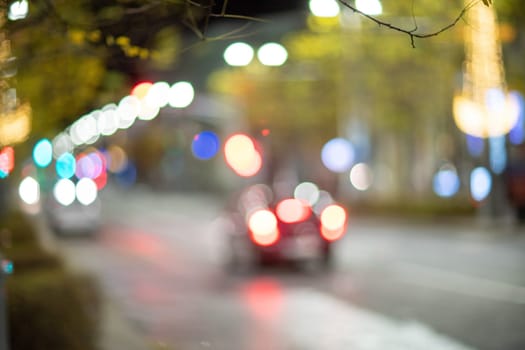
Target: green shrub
(52, 310)
(27, 259)
(19, 229)
(48, 306)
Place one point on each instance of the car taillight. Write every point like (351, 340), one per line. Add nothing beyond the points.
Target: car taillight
(263, 227)
(333, 222)
(292, 210)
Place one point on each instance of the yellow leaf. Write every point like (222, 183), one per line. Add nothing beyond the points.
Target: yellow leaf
(123, 41)
(76, 36)
(94, 35)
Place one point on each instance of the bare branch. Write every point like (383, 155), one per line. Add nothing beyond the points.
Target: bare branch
(412, 32)
(247, 18)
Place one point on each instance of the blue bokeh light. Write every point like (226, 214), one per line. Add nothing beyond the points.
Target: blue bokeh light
(497, 154)
(517, 133)
(205, 145)
(43, 153)
(480, 183)
(475, 145)
(446, 183)
(338, 155)
(66, 166)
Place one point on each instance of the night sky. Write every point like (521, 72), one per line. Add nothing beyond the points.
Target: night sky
(260, 7)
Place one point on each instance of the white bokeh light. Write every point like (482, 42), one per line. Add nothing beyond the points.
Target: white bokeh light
(86, 191)
(64, 192)
(128, 110)
(148, 112)
(308, 192)
(369, 7)
(324, 8)
(272, 54)
(361, 176)
(108, 120)
(181, 94)
(29, 190)
(158, 94)
(62, 144)
(238, 54)
(18, 10)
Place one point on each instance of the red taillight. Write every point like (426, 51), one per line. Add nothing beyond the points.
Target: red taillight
(333, 222)
(292, 210)
(263, 227)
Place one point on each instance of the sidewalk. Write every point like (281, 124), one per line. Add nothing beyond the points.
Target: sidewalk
(116, 333)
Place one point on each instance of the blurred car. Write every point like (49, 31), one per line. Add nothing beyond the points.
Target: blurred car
(73, 208)
(73, 219)
(262, 228)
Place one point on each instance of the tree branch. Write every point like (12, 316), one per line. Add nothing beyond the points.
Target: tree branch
(412, 32)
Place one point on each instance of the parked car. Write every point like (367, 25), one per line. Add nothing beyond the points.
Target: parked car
(71, 210)
(263, 228)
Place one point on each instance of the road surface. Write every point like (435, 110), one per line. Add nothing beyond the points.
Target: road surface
(396, 284)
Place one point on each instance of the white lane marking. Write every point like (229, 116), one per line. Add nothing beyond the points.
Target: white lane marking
(451, 281)
(312, 320)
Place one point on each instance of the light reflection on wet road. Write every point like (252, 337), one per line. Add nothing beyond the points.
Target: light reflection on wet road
(161, 266)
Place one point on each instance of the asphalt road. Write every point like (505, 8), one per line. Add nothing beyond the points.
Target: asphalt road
(396, 284)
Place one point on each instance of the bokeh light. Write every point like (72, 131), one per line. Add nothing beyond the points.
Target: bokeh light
(86, 129)
(338, 155)
(147, 111)
(128, 110)
(90, 165)
(62, 143)
(369, 7)
(43, 153)
(102, 180)
(7, 161)
(361, 176)
(181, 94)
(517, 133)
(475, 145)
(446, 181)
(238, 54)
(263, 227)
(498, 154)
(292, 210)
(18, 10)
(108, 120)
(272, 54)
(29, 190)
(116, 158)
(241, 155)
(325, 199)
(307, 192)
(66, 166)
(86, 191)
(141, 89)
(64, 192)
(205, 145)
(333, 222)
(324, 8)
(158, 94)
(480, 183)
